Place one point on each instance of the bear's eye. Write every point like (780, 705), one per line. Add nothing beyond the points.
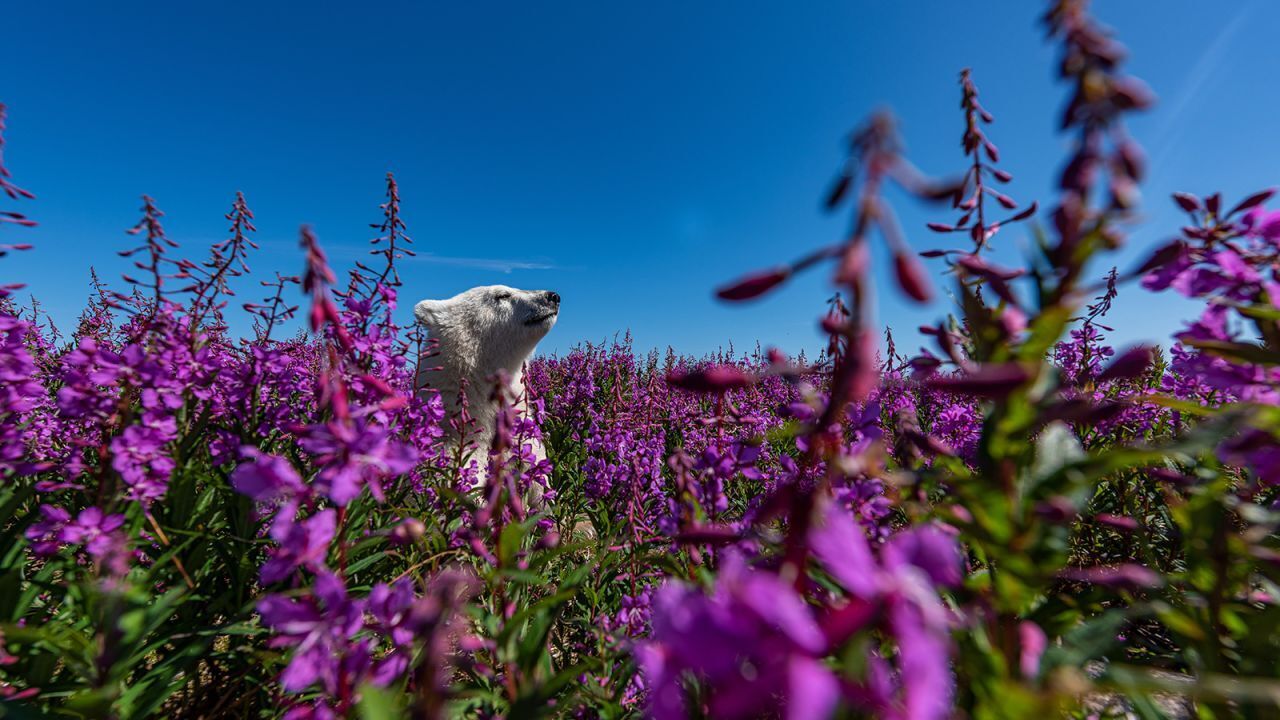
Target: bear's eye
(501, 296)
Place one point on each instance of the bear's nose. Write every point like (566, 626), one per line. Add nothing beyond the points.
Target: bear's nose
(553, 296)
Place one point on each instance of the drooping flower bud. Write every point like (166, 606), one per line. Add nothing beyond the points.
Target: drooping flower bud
(911, 277)
(1132, 363)
(714, 379)
(754, 286)
(1128, 575)
(989, 381)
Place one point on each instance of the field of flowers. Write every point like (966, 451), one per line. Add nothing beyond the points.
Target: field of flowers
(1023, 522)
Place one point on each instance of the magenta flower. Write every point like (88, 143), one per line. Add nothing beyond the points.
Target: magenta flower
(271, 479)
(394, 609)
(930, 548)
(266, 478)
(1033, 642)
(988, 381)
(713, 379)
(321, 630)
(1262, 223)
(20, 394)
(46, 534)
(1256, 449)
(1127, 576)
(317, 710)
(754, 643)
(139, 454)
(754, 285)
(303, 544)
(1131, 363)
(390, 606)
(911, 277)
(903, 582)
(354, 455)
(93, 529)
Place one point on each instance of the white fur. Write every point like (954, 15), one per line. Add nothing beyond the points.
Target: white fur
(478, 333)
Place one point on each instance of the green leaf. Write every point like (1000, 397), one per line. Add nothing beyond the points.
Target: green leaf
(511, 539)
(381, 703)
(1092, 639)
(1237, 351)
(534, 704)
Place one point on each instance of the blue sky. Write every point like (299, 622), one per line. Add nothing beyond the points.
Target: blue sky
(631, 156)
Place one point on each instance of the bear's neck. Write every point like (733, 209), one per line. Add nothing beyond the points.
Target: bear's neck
(447, 375)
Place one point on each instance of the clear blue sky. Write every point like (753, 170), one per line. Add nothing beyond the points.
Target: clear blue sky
(631, 156)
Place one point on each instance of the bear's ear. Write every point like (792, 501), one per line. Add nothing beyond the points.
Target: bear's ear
(429, 312)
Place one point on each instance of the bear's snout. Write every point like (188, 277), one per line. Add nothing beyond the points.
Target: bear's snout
(552, 297)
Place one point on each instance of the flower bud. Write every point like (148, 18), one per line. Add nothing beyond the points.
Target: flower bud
(753, 286)
(1132, 363)
(988, 381)
(911, 277)
(714, 379)
(409, 530)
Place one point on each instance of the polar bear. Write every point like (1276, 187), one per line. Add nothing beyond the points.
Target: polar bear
(478, 333)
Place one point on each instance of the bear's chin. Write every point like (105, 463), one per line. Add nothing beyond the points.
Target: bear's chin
(540, 320)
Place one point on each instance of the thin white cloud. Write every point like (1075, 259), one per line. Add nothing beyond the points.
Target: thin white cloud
(495, 264)
(1204, 69)
(348, 253)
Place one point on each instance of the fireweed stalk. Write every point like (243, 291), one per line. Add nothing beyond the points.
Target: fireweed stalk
(767, 622)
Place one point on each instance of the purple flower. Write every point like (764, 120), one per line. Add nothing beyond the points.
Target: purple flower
(303, 544)
(754, 643)
(924, 670)
(1033, 643)
(97, 532)
(266, 477)
(139, 455)
(1256, 449)
(271, 478)
(46, 534)
(903, 582)
(316, 710)
(843, 548)
(929, 548)
(20, 395)
(634, 617)
(1262, 223)
(1234, 268)
(321, 630)
(92, 529)
(390, 606)
(393, 610)
(1128, 575)
(353, 455)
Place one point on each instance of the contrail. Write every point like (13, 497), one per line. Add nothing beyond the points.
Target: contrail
(1200, 74)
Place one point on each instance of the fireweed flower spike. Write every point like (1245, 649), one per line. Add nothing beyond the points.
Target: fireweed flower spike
(394, 239)
(971, 199)
(227, 260)
(1101, 95)
(154, 250)
(315, 282)
(14, 192)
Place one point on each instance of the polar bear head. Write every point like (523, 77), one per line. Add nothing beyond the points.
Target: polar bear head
(487, 329)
